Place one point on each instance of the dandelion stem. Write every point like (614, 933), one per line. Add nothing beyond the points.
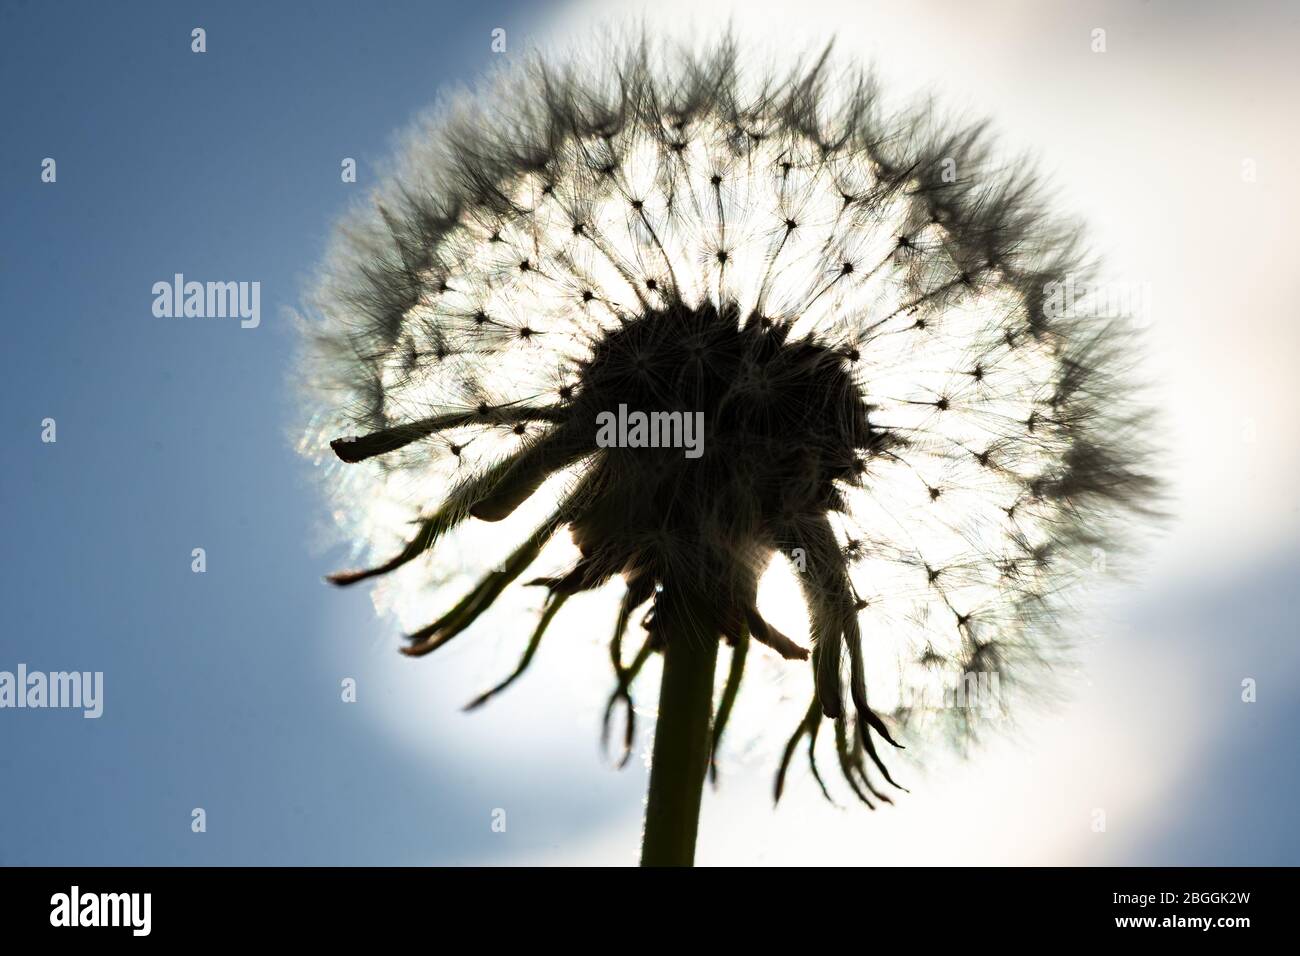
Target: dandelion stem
(681, 751)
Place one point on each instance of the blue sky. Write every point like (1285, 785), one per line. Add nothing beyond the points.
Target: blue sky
(222, 688)
(175, 434)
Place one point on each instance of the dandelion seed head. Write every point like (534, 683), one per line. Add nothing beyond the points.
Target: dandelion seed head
(882, 389)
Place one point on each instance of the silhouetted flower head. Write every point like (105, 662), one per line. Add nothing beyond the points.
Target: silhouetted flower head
(852, 300)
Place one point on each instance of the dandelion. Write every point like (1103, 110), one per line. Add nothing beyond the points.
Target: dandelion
(849, 300)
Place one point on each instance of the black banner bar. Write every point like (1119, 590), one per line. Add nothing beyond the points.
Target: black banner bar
(335, 905)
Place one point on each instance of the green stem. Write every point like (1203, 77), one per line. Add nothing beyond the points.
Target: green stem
(681, 751)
